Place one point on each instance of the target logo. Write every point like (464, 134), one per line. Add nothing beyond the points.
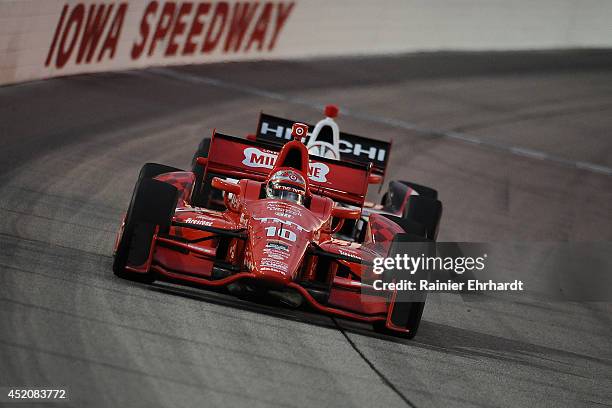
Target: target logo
(299, 130)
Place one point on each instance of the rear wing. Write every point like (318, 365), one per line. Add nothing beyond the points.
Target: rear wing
(353, 148)
(233, 157)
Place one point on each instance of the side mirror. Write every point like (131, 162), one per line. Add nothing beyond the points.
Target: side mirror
(346, 213)
(226, 186)
(375, 179)
(202, 161)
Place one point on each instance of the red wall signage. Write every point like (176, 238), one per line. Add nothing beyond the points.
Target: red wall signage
(91, 33)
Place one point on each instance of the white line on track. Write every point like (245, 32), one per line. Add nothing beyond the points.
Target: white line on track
(397, 123)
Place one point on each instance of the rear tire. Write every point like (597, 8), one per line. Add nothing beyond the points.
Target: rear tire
(425, 211)
(202, 151)
(153, 203)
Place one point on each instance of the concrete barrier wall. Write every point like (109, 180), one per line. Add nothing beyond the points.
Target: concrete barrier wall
(46, 38)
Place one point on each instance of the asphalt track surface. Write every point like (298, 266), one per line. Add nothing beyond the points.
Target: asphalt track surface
(519, 146)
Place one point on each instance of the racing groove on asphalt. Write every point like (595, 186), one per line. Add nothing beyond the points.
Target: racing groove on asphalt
(71, 150)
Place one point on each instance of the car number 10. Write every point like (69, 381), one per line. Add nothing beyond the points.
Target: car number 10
(281, 232)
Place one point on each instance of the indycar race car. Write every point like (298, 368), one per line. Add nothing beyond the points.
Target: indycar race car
(277, 234)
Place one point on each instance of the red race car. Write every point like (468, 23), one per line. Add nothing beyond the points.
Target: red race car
(276, 233)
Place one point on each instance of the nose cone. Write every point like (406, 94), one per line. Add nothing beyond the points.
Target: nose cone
(275, 259)
(278, 239)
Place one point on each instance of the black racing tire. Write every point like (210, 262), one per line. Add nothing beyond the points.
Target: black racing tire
(414, 311)
(153, 203)
(406, 314)
(201, 151)
(383, 199)
(150, 170)
(425, 211)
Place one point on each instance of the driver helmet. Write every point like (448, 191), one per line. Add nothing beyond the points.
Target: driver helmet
(287, 185)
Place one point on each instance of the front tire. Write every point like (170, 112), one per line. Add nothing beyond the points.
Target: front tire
(405, 314)
(152, 205)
